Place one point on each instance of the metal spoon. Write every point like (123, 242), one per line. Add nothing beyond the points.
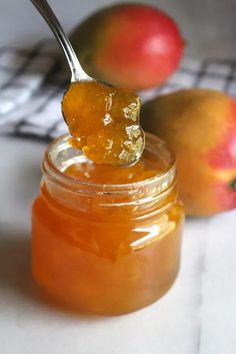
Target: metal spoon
(77, 72)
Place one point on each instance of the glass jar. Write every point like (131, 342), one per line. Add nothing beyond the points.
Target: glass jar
(106, 248)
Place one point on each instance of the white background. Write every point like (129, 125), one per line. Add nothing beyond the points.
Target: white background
(209, 26)
(198, 315)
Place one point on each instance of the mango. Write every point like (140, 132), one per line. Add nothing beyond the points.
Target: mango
(200, 126)
(133, 46)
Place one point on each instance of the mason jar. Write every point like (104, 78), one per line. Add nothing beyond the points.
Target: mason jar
(106, 248)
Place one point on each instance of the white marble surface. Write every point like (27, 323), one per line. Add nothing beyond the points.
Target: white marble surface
(196, 317)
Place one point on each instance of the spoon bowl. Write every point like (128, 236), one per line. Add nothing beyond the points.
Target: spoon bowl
(110, 141)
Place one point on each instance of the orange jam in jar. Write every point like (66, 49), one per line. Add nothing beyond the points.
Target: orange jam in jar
(106, 239)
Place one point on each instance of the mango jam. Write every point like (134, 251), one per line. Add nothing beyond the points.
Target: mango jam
(106, 239)
(104, 122)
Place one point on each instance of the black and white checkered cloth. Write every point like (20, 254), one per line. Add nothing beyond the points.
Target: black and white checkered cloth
(32, 85)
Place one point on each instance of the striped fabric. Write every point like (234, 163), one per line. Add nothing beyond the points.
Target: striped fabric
(32, 84)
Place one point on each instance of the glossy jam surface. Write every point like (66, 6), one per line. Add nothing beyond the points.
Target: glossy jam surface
(106, 253)
(104, 122)
(108, 174)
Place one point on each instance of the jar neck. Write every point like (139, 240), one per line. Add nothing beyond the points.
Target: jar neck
(137, 199)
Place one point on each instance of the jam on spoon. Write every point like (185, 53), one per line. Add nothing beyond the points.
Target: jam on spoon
(103, 120)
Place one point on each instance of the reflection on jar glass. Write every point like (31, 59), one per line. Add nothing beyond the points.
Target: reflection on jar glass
(106, 239)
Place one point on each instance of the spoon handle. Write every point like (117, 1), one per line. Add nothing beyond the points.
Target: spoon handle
(77, 72)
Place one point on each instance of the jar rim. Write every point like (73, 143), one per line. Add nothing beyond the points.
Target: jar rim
(60, 144)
